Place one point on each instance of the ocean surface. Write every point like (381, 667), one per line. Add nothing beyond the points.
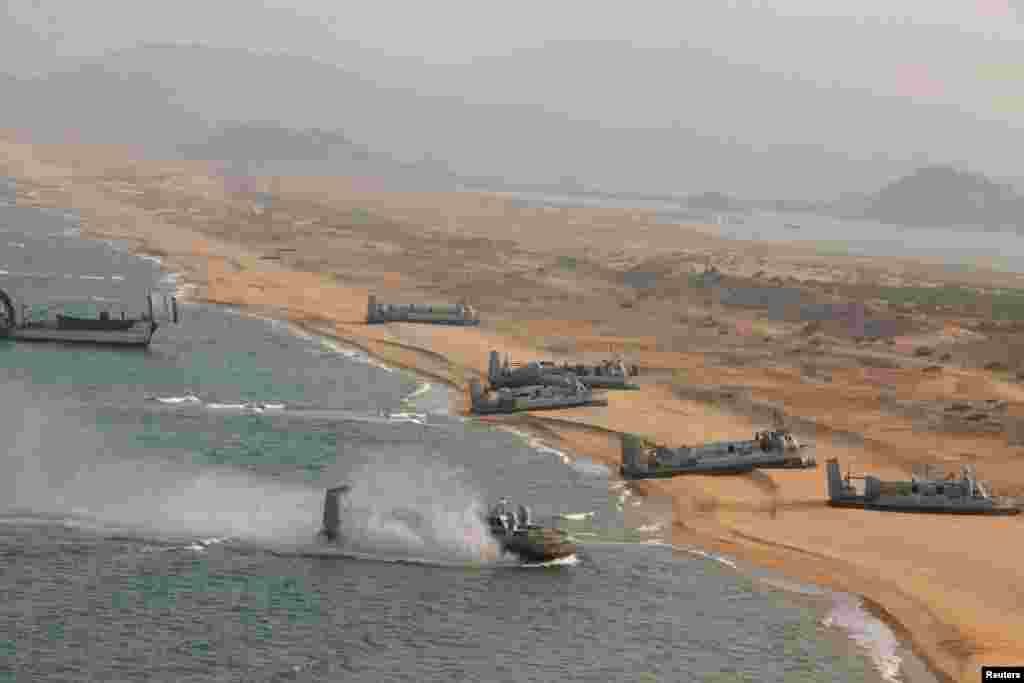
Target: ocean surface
(956, 247)
(158, 510)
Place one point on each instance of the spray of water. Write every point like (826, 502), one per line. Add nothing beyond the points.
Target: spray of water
(58, 465)
(415, 506)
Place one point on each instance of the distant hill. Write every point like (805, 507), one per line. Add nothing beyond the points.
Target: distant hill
(212, 103)
(939, 196)
(146, 102)
(715, 201)
(97, 104)
(932, 196)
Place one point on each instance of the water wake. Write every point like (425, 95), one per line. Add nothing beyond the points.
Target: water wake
(58, 465)
(414, 506)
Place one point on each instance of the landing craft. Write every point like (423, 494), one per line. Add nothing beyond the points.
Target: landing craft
(775, 449)
(518, 535)
(30, 324)
(531, 374)
(438, 314)
(532, 398)
(965, 496)
(606, 375)
(513, 531)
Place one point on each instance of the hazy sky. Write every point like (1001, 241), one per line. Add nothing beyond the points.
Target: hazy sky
(958, 54)
(885, 45)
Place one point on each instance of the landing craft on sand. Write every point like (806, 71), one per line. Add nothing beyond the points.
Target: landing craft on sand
(606, 375)
(512, 529)
(532, 398)
(777, 449)
(438, 314)
(531, 374)
(966, 495)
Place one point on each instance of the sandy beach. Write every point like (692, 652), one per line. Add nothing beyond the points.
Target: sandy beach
(549, 283)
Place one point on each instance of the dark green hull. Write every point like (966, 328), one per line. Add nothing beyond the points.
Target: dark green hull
(536, 544)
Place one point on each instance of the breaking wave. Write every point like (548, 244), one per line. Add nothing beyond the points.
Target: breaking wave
(192, 402)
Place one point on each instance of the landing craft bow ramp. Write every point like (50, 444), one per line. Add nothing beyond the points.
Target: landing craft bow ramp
(7, 318)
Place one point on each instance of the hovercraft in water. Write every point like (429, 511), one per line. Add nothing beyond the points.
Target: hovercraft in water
(511, 529)
(517, 535)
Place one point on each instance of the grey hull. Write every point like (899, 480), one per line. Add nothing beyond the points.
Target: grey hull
(725, 457)
(456, 321)
(520, 405)
(929, 495)
(434, 314)
(608, 383)
(667, 472)
(966, 509)
(132, 337)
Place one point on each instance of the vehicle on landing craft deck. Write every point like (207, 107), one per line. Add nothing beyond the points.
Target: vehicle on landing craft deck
(606, 375)
(532, 398)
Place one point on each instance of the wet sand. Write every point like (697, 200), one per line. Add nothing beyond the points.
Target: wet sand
(953, 583)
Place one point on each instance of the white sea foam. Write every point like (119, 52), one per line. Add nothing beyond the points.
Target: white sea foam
(593, 468)
(204, 543)
(570, 561)
(721, 559)
(847, 613)
(416, 418)
(578, 516)
(174, 400)
(869, 632)
(537, 445)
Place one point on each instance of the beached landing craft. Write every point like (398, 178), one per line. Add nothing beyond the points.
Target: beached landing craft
(438, 314)
(768, 450)
(532, 398)
(966, 495)
(513, 530)
(22, 323)
(606, 375)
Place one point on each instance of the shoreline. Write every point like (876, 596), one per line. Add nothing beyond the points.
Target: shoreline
(953, 630)
(906, 649)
